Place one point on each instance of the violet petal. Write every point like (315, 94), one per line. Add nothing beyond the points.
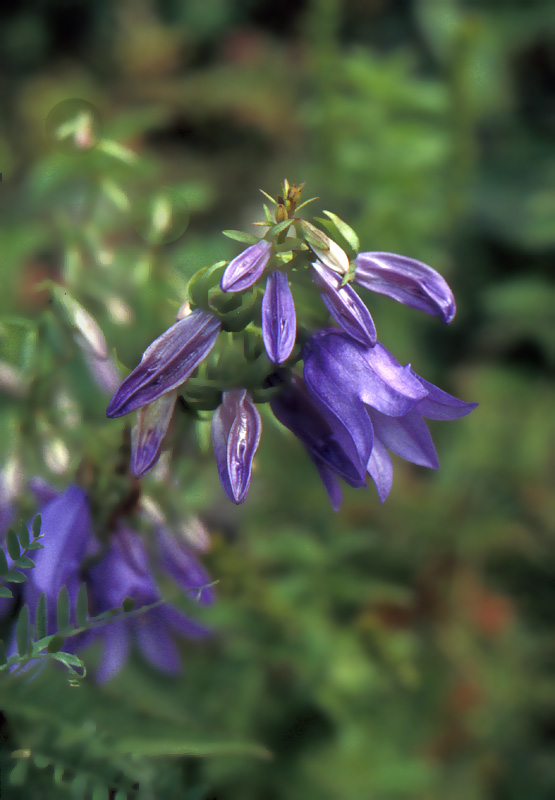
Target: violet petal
(236, 430)
(345, 306)
(441, 405)
(148, 433)
(167, 362)
(407, 280)
(156, 643)
(408, 436)
(279, 322)
(380, 469)
(246, 268)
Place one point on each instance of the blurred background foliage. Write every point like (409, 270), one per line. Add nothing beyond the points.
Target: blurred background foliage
(396, 652)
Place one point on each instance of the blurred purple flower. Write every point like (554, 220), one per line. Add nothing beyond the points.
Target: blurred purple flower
(167, 362)
(236, 430)
(123, 572)
(279, 322)
(246, 268)
(407, 280)
(180, 562)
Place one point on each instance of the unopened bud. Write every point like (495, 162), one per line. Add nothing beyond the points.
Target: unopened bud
(325, 248)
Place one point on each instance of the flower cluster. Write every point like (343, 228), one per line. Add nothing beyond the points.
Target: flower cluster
(353, 402)
(112, 572)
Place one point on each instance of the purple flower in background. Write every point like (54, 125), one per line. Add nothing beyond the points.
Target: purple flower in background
(246, 268)
(279, 322)
(326, 440)
(180, 562)
(148, 433)
(409, 281)
(379, 403)
(167, 362)
(345, 305)
(236, 429)
(125, 572)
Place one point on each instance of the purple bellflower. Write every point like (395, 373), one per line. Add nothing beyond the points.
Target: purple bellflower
(125, 572)
(167, 362)
(407, 280)
(345, 305)
(279, 322)
(236, 430)
(380, 403)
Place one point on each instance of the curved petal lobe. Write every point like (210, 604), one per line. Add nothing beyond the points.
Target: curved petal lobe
(345, 306)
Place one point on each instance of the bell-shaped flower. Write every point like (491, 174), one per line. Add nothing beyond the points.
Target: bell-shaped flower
(409, 281)
(345, 377)
(246, 268)
(125, 572)
(327, 442)
(408, 435)
(167, 362)
(236, 429)
(345, 306)
(279, 322)
(149, 431)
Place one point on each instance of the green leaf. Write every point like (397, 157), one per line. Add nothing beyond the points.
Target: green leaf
(24, 562)
(62, 609)
(3, 654)
(5, 592)
(4, 568)
(55, 643)
(34, 545)
(72, 662)
(82, 605)
(241, 236)
(24, 537)
(18, 775)
(37, 521)
(281, 226)
(345, 230)
(100, 792)
(183, 747)
(41, 616)
(268, 215)
(15, 577)
(12, 543)
(22, 631)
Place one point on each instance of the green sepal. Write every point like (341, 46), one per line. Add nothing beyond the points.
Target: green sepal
(275, 230)
(201, 283)
(345, 230)
(313, 236)
(241, 236)
(349, 276)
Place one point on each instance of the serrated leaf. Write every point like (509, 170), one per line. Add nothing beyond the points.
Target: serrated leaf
(241, 236)
(3, 654)
(41, 617)
(37, 522)
(82, 605)
(4, 568)
(22, 631)
(13, 576)
(12, 544)
(5, 592)
(55, 643)
(345, 230)
(24, 562)
(62, 609)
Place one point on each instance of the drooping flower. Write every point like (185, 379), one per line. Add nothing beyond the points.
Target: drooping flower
(236, 430)
(167, 362)
(407, 280)
(279, 322)
(380, 403)
(246, 268)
